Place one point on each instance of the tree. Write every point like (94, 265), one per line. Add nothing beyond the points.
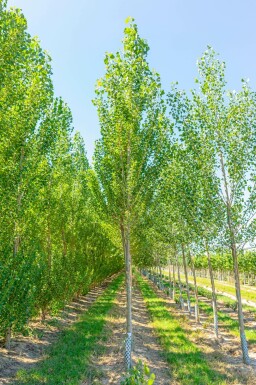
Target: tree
(26, 91)
(129, 155)
(226, 121)
(196, 185)
(52, 244)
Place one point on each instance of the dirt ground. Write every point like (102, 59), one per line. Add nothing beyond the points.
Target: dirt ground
(26, 351)
(109, 366)
(224, 353)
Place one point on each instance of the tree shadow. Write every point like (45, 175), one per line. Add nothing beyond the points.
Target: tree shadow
(62, 333)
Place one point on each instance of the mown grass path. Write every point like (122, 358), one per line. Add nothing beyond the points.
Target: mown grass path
(68, 359)
(188, 364)
(230, 323)
(226, 352)
(109, 366)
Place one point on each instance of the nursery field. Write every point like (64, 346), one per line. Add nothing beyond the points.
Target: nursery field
(84, 344)
(139, 266)
(248, 293)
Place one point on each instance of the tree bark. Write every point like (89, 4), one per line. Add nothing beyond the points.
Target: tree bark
(161, 285)
(197, 317)
(174, 281)
(214, 300)
(244, 344)
(128, 273)
(180, 286)
(186, 277)
(170, 278)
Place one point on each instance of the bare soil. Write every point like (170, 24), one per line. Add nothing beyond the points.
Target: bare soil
(26, 351)
(224, 353)
(226, 337)
(108, 366)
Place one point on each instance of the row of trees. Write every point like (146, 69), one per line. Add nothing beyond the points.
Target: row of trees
(222, 265)
(53, 246)
(174, 176)
(175, 173)
(129, 156)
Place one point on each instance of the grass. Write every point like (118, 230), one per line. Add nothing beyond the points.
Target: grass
(188, 364)
(232, 325)
(227, 322)
(68, 360)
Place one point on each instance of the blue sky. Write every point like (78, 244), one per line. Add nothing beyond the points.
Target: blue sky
(78, 33)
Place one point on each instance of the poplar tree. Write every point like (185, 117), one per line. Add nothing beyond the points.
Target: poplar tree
(26, 91)
(52, 245)
(129, 155)
(196, 185)
(226, 122)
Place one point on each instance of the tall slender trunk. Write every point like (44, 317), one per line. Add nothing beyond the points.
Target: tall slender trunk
(174, 281)
(214, 300)
(186, 277)
(128, 272)
(161, 285)
(170, 278)
(180, 286)
(155, 275)
(158, 274)
(244, 344)
(197, 317)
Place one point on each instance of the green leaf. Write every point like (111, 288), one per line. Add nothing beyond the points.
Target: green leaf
(128, 20)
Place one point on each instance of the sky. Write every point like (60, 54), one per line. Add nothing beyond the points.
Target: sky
(78, 33)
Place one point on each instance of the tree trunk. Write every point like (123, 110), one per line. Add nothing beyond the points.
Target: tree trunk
(180, 286)
(214, 301)
(160, 277)
(186, 277)
(128, 273)
(174, 281)
(197, 318)
(170, 278)
(244, 344)
(43, 314)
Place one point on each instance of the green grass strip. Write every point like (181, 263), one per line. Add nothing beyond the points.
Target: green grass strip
(227, 322)
(232, 325)
(68, 359)
(187, 362)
